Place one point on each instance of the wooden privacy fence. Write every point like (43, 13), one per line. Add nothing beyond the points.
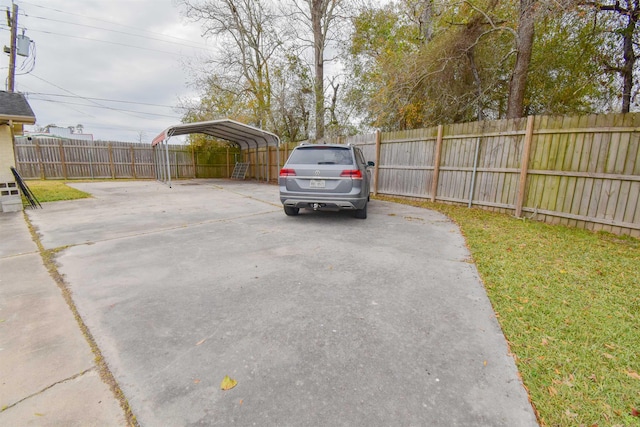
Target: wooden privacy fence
(57, 158)
(579, 171)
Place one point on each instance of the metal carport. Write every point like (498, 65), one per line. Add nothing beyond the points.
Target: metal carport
(244, 136)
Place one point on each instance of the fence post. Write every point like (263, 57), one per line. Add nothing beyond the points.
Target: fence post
(377, 166)
(474, 173)
(62, 160)
(133, 162)
(193, 160)
(524, 166)
(175, 159)
(40, 163)
(436, 164)
(111, 165)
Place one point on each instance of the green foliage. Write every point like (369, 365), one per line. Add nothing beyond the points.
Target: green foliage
(463, 72)
(564, 77)
(434, 81)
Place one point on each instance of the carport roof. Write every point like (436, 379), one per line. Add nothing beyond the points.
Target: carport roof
(243, 135)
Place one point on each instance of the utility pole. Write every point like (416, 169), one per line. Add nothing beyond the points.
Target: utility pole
(13, 22)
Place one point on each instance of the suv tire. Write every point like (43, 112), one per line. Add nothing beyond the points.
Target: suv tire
(291, 211)
(361, 213)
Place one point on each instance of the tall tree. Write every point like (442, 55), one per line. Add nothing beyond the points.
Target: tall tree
(248, 32)
(524, 46)
(627, 12)
(321, 17)
(292, 98)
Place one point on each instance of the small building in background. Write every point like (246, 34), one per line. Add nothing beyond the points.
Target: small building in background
(15, 112)
(60, 132)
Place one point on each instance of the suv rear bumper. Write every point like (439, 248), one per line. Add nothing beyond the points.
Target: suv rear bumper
(323, 203)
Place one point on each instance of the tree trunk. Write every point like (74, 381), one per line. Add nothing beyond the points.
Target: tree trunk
(318, 48)
(518, 84)
(629, 60)
(426, 21)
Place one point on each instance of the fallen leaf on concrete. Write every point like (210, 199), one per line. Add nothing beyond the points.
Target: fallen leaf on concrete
(201, 341)
(196, 381)
(228, 383)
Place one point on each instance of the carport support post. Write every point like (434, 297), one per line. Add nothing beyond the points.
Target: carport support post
(377, 166)
(228, 169)
(257, 168)
(166, 142)
(159, 162)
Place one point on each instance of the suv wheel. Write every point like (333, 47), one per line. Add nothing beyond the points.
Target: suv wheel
(291, 211)
(361, 213)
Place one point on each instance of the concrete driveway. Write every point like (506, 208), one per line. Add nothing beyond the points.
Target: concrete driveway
(323, 319)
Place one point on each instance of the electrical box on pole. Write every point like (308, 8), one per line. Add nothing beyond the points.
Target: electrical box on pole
(22, 43)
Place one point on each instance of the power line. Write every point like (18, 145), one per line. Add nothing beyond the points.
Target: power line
(195, 46)
(93, 102)
(71, 108)
(104, 20)
(105, 107)
(108, 42)
(106, 99)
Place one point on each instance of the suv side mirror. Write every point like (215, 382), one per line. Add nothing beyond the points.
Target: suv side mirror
(371, 163)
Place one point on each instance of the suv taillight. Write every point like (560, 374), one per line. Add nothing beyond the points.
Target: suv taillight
(287, 172)
(353, 174)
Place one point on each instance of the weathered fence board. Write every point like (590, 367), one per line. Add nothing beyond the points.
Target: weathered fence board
(581, 171)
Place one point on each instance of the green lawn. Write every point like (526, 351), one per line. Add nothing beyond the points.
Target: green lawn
(568, 301)
(54, 190)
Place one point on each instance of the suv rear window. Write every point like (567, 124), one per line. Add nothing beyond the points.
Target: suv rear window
(321, 156)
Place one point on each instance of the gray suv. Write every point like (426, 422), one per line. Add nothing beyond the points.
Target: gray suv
(325, 177)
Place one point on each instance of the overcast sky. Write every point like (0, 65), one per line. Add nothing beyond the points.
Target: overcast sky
(114, 66)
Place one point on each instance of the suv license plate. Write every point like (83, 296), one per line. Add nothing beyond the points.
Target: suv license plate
(316, 183)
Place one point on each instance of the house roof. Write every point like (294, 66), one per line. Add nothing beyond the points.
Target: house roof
(242, 135)
(14, 106)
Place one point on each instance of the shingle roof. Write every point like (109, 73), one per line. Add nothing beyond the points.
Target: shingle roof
(14, 106)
